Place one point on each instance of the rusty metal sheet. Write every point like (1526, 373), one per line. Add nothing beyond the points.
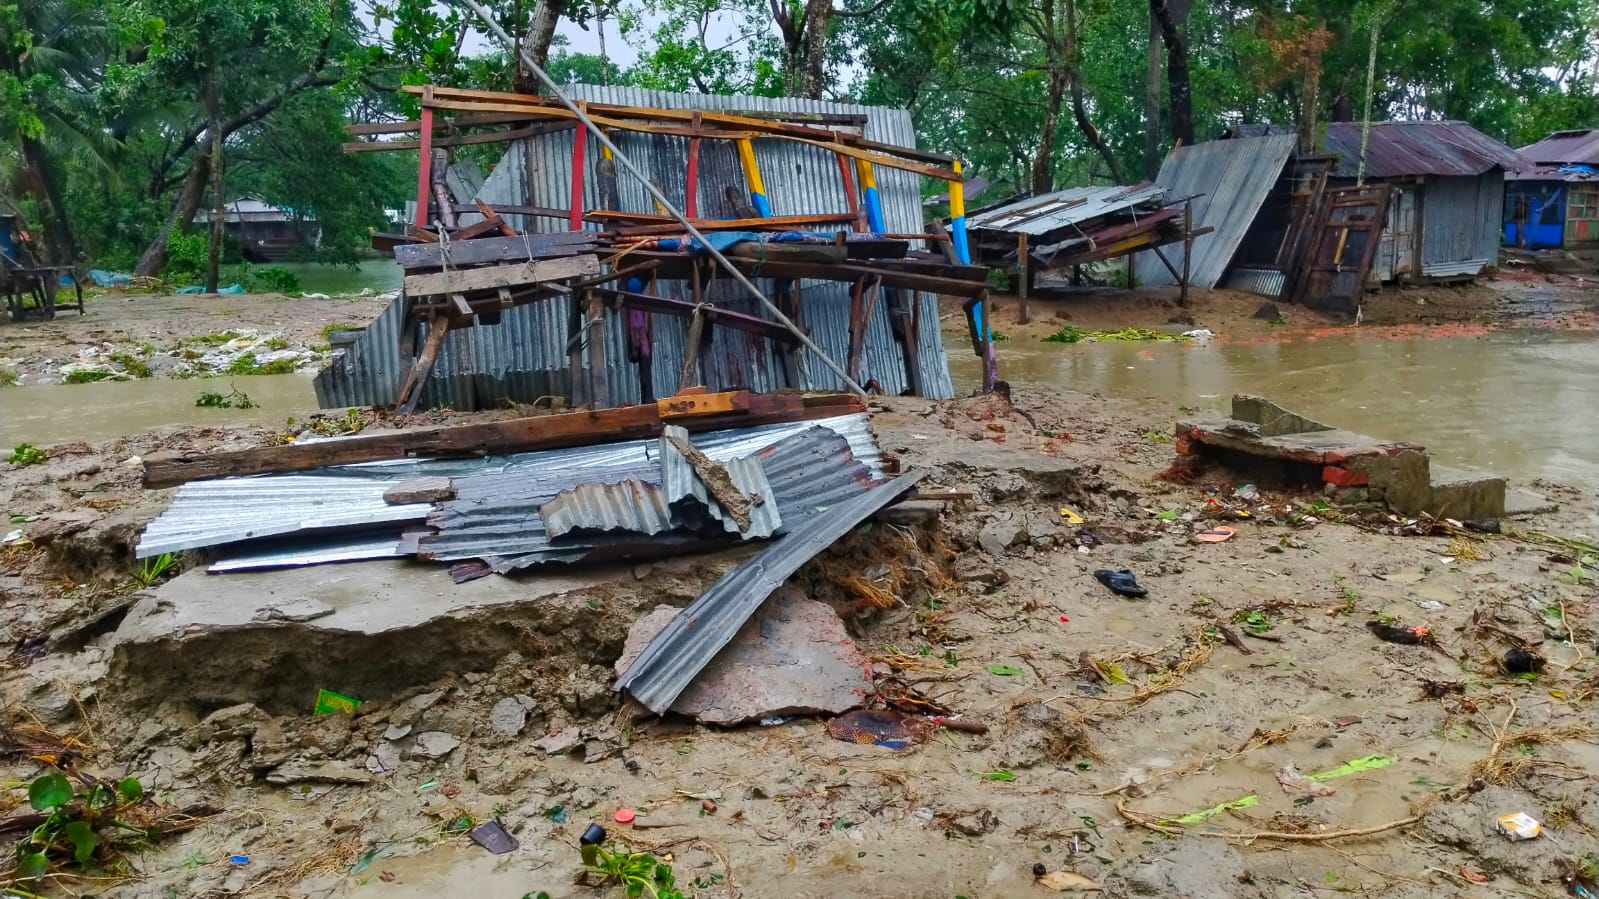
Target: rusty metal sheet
(1579, 147)
(1404, 149)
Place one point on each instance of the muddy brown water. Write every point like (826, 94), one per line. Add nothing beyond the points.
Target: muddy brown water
(47, 414)
(1519, 403)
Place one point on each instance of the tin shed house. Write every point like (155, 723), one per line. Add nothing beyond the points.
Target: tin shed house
(1445, 215)
(1555, 201)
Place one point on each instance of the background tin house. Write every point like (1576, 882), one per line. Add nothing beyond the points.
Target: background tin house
(1555, 202)
(1445, 215)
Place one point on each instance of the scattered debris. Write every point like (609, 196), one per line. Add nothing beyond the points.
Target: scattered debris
(879, 728)
(433, 744)
(1522, 661)
(1296, 784)
(1122, 583)
(1068, 882)
(1401, 635)
(1518, 826)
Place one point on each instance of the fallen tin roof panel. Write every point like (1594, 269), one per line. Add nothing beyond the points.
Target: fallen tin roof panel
(1402, 149)
(807, 473)
(680, 482)
(311, 551)
(679, 652)
(632, 505)
(209, 513)
(1064, 208)
(1229, 180)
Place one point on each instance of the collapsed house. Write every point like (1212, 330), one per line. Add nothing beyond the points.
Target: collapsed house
(558, 278)
(1553, 202)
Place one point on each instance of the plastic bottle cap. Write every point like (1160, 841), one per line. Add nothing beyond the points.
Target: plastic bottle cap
(239, 859)
(1064, 618)
(624, 816)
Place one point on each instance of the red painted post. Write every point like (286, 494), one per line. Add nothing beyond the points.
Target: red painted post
(579, 160)
(424, 169)
(691, 183)
(846, 171)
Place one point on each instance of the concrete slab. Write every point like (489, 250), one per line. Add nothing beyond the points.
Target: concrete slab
(1461, 494)
(1525, 502)
(377, 628)
(792, 657)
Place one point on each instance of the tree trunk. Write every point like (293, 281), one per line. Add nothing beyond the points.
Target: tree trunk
(540, 32)
(1173, 18)
(1043, 173)
(1079, 103)
(219, 206)
(818, 16)
(184, 206)
(60, 246)
(1152, 102)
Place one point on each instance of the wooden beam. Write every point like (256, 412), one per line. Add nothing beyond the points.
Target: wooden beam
(464, 253)
(363, 129)
(417, 378)
(725, 317)
(653, 226)
(512, 275)
(457, 140)
(513, 435)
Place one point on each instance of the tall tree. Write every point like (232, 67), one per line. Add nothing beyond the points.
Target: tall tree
(1172, 17)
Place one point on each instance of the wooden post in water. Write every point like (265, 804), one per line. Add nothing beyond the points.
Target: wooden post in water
(1024, 274)
(1188, 249)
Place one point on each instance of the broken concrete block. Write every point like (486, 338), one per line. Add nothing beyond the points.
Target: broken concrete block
(998, 536)
(509, 715)
(419, 490)
(318, 772)
(435, 744)
(561, 742)
(793, 657)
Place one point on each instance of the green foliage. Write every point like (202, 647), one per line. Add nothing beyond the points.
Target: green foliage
(245, 364)
(1255, 619)
(187, 255)
(78, 829)
(233, 399)
(640, 874)
(1066, 334)
(277, 280)
(27, 454)
(153, 570)
(9, 378)
(132, 364)
(89, 376)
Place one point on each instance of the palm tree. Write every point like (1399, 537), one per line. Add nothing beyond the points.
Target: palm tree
(51, 57)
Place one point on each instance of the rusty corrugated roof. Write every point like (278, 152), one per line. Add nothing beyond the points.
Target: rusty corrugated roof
(1402, 149)
(1564, 147)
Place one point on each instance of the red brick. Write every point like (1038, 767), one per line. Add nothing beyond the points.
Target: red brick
(1183, 446)
(1343, 477)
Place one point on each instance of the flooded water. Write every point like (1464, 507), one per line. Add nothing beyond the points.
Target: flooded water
(1520, 403)
(57, 413)
(333, 280)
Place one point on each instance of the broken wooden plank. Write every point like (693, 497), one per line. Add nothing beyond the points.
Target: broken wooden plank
(513, 435)
(716, 480)
(700, 404)
(485, 250)
(515, 274)
(726, 317)
(416, 379)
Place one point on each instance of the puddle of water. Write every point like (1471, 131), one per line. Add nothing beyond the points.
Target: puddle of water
(1517, 403)
(378, 274)
(58, 413)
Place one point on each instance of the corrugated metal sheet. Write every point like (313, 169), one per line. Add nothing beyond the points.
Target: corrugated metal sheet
(524, 357)
(685, 490)
(1230, 180)
(1581, 173)
(1580, 146)
(1452, 230)
(1064, 208)
(632, 505)
(496, 515)
(310, 551)
(1453, 269)
(1403, 149)
(687, 644)
(1268, 282)
(211, 513)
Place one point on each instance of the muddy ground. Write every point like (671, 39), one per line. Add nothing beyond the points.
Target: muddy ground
(995, 614)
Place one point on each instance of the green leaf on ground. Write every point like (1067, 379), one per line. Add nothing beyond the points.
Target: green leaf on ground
(1004, 670)
(49, 791)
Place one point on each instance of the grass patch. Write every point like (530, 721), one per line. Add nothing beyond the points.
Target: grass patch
(327, 330)
(9, 378)
(89, 376)
(132, 364)
(1074, 334)
(277, 343)
(246, 365)
(215, 339)
(233, 399)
